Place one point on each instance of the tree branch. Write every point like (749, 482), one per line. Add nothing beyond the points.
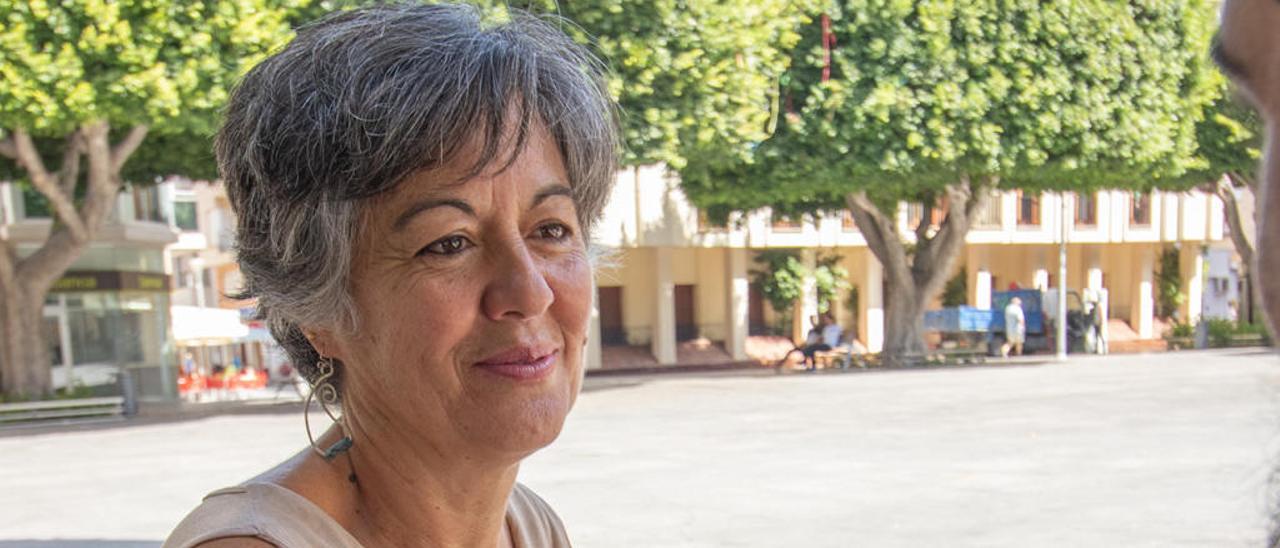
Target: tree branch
(29, 158)
(881, 234)
(926, 221)
(69, 173)
(121, 151)
(1235, 224)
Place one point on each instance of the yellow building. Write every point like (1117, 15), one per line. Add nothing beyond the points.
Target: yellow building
(671, 278)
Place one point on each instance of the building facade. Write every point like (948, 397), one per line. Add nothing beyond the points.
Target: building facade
(670, 278)
(108, 316)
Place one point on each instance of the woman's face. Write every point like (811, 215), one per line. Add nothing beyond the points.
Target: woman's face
(474, 299)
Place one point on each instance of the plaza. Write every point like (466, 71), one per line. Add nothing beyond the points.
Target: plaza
(1171, 449)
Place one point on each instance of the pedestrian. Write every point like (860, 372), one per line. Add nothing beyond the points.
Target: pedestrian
(1015, 328)
(414, 188)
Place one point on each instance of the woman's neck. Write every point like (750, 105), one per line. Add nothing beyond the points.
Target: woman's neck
(407, 492)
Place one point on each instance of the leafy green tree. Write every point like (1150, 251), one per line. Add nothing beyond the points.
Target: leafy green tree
(97, 93)
(940, 101)
(829, 278)
(1169, 293)
(780, 277)
(695, 79)
(1230, 138)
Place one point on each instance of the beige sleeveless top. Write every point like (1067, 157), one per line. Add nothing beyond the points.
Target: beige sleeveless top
(288, 520)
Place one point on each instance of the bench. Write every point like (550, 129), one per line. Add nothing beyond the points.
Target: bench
(11, 413)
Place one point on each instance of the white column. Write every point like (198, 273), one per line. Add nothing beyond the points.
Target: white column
(1142, 311)
(64, 340)
(664, 321)
(872, 324)
(1040, 279)
(982, 290)
(809, 307)
(593, 356)
(736, 317)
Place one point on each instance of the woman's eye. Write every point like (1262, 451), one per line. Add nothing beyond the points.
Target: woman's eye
(553, 231)
(447, 246)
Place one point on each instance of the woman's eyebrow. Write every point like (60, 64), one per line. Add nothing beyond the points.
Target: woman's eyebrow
(430, 203)
(549, 191)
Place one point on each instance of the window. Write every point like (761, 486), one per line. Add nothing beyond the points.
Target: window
(181, 273)
(846, 221)
(990, 211)
(1028, 209)
(1140, 213)
(146, 204)
(184, 216)
(705, 223)
(784, 222)
(1086, 209)
(937, 214)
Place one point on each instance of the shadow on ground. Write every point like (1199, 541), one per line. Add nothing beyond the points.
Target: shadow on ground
(79, 543)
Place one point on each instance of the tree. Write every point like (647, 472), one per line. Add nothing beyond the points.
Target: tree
(97, 93)
(938, 102)
(780, 278)
(1230, 139)
(695, 79)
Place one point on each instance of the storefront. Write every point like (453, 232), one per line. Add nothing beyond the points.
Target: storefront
(105, 325)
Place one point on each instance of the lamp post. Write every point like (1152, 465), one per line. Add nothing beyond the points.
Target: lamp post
(1062, 277)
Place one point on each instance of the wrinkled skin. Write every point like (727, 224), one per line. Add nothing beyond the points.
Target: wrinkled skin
(1249, 52)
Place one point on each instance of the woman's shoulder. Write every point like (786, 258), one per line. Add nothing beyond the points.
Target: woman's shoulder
(532, 522)
(257, 513)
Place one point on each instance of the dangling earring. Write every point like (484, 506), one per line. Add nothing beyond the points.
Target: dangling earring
(328, 397)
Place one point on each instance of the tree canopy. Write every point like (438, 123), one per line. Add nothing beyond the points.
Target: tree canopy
(696, 79)
(1062, 95)
(167, 65)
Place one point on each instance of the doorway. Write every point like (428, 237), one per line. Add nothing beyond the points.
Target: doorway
(686, 322)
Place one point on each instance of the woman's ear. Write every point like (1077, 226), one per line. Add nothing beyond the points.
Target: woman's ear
(324, 342)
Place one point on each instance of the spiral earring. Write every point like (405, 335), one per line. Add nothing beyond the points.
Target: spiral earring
(328, 397)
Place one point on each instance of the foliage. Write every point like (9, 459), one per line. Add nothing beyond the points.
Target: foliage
(780, 277)
(1222, 331)
(1229, 139)
(1169, 293)
(169, 65)
(1070, 95)
(1181, 330)
(829, 279)
(695, 78)
(956, 292)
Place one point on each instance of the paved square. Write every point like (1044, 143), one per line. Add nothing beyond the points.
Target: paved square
(1156, 450)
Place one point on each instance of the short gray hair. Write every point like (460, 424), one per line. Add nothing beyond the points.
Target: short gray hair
(362, 99)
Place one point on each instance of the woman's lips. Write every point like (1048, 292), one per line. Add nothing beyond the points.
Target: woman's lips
(520, 365)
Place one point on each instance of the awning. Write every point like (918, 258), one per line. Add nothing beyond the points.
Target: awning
(196, 326)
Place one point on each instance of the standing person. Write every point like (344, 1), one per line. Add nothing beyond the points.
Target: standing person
(415, 187)
(1015, 328)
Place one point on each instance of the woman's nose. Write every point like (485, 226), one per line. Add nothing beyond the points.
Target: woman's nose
(518, 288)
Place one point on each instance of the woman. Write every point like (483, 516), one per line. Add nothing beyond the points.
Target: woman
(414, 187)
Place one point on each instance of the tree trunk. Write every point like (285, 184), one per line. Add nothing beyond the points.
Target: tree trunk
(23, 344)
(904, 324)
(24, 358)
(916, 276)
(1240, 238)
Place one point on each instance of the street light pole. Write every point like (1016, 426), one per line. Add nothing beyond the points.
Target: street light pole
(1062, 277)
